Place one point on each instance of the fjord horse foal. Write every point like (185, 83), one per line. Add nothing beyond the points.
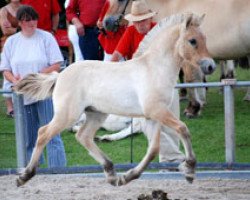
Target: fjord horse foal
(141, 87)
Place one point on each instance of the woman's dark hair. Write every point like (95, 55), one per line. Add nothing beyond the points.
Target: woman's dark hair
(26, 13)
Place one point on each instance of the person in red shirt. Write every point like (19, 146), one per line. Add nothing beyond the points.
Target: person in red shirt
(48, 11)
(84, 15)
(109, 39)
(141, 17)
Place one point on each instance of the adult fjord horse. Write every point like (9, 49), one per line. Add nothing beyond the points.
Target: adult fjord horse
(102, 88)
(227, 32)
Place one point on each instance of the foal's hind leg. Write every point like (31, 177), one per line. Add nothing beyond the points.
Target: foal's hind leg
(45, 134)
(152, 131)
(166, 117)
(86, 135)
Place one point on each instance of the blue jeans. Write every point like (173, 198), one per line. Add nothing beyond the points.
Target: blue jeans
(90, 46)
(36, 115)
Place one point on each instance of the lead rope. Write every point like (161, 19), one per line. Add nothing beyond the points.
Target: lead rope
(123, 12)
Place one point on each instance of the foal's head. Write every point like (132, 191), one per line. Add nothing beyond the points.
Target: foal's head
(192, 49)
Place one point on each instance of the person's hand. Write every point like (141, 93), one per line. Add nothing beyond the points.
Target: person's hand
(7, 24)
(99, 24)
(16, 79)
(80, 29)
(123, 22)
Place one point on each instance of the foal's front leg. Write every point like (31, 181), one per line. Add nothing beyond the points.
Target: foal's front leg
(152, 131)
(165, 117)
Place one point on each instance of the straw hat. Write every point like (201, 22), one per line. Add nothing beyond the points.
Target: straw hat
(139, 11)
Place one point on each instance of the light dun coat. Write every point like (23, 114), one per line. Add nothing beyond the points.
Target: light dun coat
(226, 26)
(141, 87)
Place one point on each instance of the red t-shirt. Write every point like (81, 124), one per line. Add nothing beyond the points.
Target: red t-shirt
(109, 40)
(86, 10)
(130, 41)
(44, 8)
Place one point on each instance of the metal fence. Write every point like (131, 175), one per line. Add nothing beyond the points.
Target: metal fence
(228, 85)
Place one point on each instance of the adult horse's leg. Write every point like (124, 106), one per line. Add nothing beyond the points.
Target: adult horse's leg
(194, 106)
(166, 117)
(45, 134)
(183, 91)
(196, 96)
(227, 69)
(152, 130)
(86, 135)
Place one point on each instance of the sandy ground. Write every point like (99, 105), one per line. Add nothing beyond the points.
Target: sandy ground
(71, 187)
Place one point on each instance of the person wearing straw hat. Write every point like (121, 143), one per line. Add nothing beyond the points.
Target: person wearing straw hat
(142, 22)
(141, 17)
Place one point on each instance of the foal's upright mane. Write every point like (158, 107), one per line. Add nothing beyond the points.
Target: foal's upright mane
(164, 23)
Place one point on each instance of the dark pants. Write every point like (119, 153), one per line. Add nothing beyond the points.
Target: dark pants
(90, 46)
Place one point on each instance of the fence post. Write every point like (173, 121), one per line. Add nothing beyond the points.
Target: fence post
(20, 131)
(229, 120)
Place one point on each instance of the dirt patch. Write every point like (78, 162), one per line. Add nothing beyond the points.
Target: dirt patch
(74, 187)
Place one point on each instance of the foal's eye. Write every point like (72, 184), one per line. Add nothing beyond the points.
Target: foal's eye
(193, 42)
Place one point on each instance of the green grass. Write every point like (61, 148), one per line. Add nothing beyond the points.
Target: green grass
(207, 134)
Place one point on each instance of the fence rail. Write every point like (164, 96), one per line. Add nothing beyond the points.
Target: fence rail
(227, 84)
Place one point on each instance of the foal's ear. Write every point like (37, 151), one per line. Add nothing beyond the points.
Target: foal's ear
(201, 18)
(193, 20)
(188, 20)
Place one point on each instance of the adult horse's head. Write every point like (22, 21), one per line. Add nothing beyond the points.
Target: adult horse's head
(192, 49)
(114, 16)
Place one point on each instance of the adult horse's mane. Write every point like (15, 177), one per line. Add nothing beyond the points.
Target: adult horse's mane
(164, 23)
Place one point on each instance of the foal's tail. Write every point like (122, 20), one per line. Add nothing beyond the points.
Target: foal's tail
(37, 86)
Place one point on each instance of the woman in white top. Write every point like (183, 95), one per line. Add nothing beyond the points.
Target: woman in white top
(33, 50)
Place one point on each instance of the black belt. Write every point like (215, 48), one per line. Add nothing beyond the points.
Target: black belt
(90, 27)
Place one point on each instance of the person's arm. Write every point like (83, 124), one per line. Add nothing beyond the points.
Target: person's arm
(5, 25)
(102, 15)
(79, 26)
(51, 68)
(71, 14)
(10, 77)
(122, 49)
(55, 10)
(55, 22)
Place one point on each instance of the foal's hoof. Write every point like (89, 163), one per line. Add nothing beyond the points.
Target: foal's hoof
(20, 182)
(188, 170)
(188, 114)
(189, 179)
(117, 181)
(24, 177)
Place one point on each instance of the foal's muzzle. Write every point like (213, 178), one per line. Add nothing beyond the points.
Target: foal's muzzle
(207, 65)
